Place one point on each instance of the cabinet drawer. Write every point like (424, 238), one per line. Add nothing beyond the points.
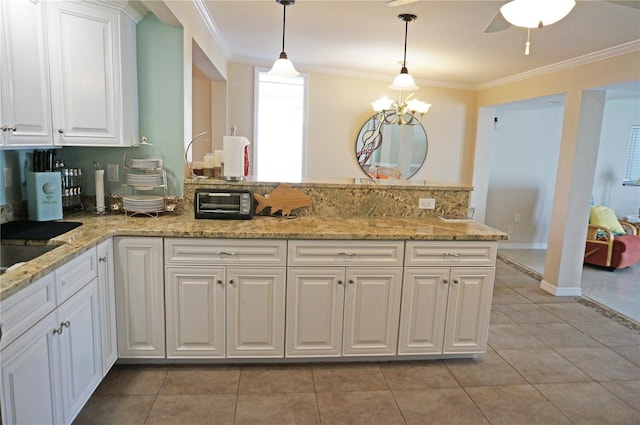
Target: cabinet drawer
(451, 253)
(73, 275)
(185, 251)
(22, 310)
(347, 253)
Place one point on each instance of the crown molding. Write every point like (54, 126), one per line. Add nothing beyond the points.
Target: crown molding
(212, 27)
(621, 49)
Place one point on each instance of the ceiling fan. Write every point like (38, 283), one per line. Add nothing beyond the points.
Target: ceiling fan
(499, 23)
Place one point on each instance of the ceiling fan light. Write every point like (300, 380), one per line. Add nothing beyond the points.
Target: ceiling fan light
(283, 67)
(403, 81)
(382, 104)
(530, 13)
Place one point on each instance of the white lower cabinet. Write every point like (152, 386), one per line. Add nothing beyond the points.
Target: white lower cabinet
(140, 301)
(50, 368)
(225, 298)
(446, 306)
(107, 292)
(350, 310)
(342, 311)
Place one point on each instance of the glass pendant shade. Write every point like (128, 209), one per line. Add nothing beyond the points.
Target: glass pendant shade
(530, 13)
(382, 104)
(403, 81)
(283, 67)
(418, 106)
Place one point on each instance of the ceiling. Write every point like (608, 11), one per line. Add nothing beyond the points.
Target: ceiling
(447, 45)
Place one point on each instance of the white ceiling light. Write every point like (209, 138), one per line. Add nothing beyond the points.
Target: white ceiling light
(283, 66)
(535, 14)
(402, 112)
(404, 80)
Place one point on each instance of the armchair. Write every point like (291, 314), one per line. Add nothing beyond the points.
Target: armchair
(615, 251)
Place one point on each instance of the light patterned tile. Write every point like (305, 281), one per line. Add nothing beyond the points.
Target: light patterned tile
(270, 409)
(201, 380)
(543, 366)
(515, 404)
(193, 409)
(276, 379)
(590, 403)
(601, 363)
(561, 335)
(361, 407)
(115, 409)
(438, 406)
(512, 336)
(348, 377)
(418, 375)
(485, 370)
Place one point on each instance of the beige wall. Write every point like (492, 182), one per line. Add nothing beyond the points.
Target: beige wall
(584, 105)
(339, 105)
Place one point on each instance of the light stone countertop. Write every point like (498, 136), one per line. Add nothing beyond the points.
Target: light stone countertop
(96, 229)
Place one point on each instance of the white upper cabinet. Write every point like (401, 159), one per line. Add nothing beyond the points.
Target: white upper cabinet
(68, 72)
(93, 73)
(25, 100)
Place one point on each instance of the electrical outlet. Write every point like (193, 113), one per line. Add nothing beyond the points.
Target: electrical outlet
(427, 203)
(510, 230)
(112, 173)
(8, 177)
(516, 218)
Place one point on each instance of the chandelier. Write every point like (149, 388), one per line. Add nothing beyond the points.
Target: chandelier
(403, 112)
(535, 14)
(283, 66)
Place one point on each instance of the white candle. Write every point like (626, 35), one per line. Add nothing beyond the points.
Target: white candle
(209, 160)
(100, 191)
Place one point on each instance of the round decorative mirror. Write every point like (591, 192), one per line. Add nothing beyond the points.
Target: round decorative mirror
(391, 150)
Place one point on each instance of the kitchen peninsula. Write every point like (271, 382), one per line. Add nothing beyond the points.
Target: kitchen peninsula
(175, 289)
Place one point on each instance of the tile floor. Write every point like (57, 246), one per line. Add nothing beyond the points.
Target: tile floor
(550, 361)
(618, 290)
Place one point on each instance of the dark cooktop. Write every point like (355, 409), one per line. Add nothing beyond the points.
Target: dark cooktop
(35, 230)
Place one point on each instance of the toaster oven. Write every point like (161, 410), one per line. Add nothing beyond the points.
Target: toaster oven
(223, 204)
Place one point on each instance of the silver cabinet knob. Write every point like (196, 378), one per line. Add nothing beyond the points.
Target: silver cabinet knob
(102, 259)
(456, 281)
(61, 131)
(340, 282)
(351, 282)
(445, 281)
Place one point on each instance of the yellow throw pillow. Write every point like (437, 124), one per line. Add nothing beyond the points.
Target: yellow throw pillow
(605, 217)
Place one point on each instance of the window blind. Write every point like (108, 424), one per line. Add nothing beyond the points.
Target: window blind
(632, 166)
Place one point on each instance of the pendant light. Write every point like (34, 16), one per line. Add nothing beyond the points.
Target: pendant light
(407, 111)
(283, 66)
(404, 80)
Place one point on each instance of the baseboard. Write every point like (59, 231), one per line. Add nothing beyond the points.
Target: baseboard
(513, 245)
(560, 292)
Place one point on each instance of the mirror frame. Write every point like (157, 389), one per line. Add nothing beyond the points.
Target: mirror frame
(375, 135)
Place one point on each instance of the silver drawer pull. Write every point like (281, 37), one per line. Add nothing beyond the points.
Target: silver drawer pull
(62, 326)
(225, 253)
(452, 254)
(348, 254)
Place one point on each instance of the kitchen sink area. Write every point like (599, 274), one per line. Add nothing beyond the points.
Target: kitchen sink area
(12, 255)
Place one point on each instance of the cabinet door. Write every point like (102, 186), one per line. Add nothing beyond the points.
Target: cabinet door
(255, 312)
(139, 297)
(315, 302)
(81, 348)
(372, 311)
(468, 309)
(84, 46)
(31, 391)
(25, 101)
(424, 305)
(195, 304)
(107, 295)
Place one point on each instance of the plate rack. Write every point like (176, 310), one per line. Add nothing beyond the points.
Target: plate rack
(145, 180)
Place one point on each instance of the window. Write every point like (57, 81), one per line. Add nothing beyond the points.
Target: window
(632, 166)
(280, 127)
